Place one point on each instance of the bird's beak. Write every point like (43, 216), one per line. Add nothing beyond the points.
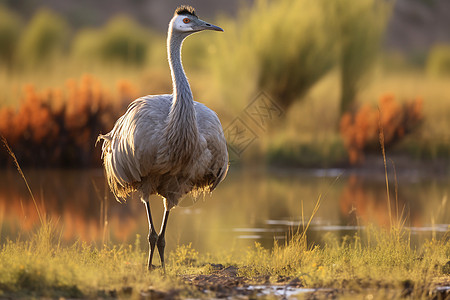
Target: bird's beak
(207, 26)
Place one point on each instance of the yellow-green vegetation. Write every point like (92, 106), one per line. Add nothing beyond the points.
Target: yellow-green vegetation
(432, 139)
(438, 63)
(42, 266)
(120, 40)
(308, 133)
(286, 47)
(373, 257)
(283, 47)
(359, 32)
(10, 27)
(44, 38)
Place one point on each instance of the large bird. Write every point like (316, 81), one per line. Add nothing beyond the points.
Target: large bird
(169, 145)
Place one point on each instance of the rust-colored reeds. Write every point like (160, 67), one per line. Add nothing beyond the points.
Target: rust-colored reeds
(360, 129)
(59, 126)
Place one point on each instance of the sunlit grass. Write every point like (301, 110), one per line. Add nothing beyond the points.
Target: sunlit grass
(41, 266)
(374, 257)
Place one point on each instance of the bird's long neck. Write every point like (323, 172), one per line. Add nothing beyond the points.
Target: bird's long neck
(182, 132)
(182, 94)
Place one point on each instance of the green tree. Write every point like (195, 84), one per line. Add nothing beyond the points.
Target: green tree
(45, 36)
(359, 26)
(10, 28)
(282, 47)
(438, 61)
(296, 49)
(121, 39)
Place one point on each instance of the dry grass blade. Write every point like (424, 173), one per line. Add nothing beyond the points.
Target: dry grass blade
(103, 210)
(397, 216)
(383, 151)
(5, 142)
(316, 208)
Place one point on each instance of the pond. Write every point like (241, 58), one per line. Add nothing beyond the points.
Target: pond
(251, 205)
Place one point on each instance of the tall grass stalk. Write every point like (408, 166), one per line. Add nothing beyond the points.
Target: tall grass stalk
(383, 151)
(19, 169)
(315, 209)
(105, 236)
(103, 211)
(395, 189)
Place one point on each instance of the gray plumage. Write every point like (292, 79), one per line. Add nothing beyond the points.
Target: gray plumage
(168, 145)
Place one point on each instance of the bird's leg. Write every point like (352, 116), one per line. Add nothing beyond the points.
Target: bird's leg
(161, 243)
(152, 236)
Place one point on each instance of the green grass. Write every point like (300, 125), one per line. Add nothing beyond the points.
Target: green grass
(375, 257)
(42, 267)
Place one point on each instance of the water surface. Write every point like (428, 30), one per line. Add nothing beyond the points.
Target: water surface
(250, 205)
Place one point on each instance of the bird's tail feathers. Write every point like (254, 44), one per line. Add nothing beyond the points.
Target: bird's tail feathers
(121, 190)
(106, 142)
(104, 137)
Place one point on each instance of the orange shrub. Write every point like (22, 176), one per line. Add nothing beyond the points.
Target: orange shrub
(59, 126)
(360, 129)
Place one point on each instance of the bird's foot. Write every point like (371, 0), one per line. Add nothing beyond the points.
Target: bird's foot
(161, 244)
(154, 267)
(152, 239)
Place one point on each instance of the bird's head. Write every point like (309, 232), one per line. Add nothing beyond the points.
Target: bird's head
(185, 21)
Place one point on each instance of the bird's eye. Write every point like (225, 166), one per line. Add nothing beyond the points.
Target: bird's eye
(186, 20)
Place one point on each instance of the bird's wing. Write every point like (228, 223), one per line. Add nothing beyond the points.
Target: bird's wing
(130, 148)
(210, 128)
(149, 134)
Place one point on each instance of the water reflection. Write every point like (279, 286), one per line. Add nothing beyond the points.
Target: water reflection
(248, 206)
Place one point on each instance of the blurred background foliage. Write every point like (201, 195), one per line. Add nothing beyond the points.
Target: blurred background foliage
(45, 37)
(325, 64)
(120, 40)
(438, 63)
(10, 30)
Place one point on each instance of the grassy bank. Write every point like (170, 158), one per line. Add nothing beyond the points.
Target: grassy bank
(41, 266)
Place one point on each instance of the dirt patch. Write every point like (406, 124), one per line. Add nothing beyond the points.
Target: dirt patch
(224, 282)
